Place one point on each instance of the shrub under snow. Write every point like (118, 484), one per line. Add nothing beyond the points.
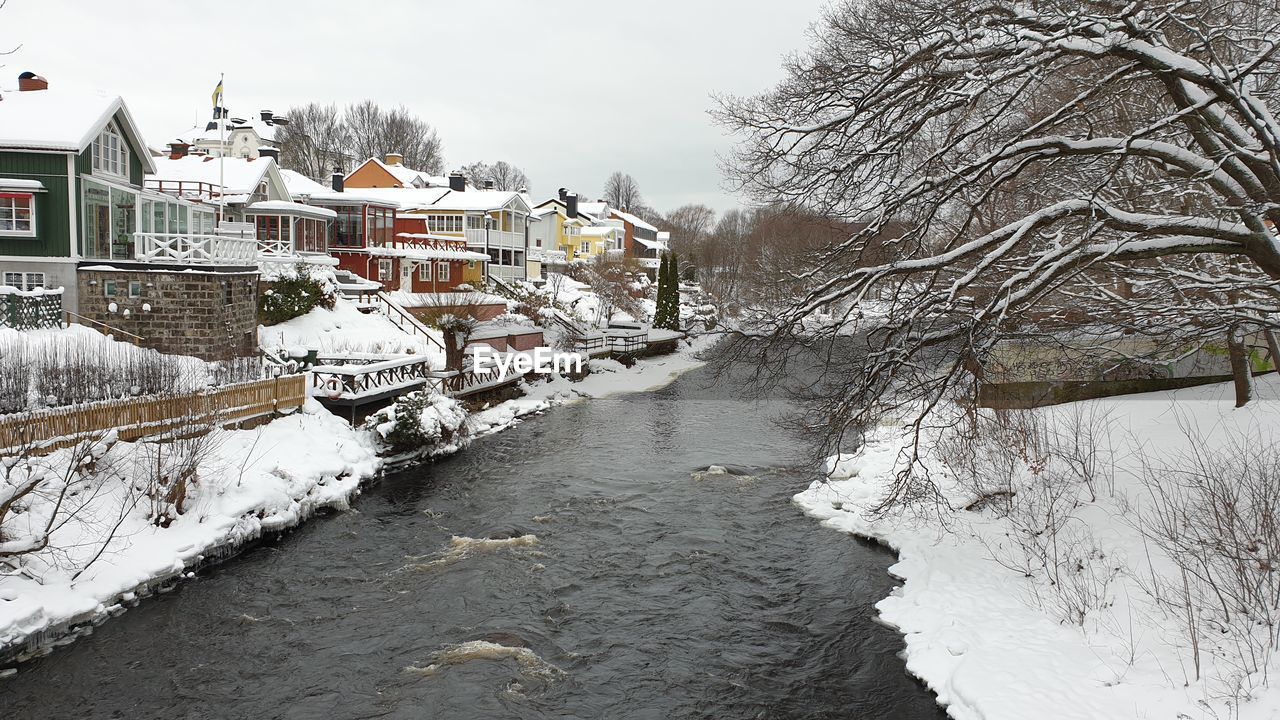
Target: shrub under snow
(423, 422)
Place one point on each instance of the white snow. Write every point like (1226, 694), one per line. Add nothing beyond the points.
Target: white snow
(265, 479)
(994, 644)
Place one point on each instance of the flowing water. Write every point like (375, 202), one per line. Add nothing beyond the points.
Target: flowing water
(589, 563)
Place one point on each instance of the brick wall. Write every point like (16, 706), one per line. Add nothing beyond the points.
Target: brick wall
(211, 315)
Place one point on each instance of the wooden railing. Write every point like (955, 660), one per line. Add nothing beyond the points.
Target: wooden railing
(352, 382)
(44, 431)
(403, 319)
(195, 248)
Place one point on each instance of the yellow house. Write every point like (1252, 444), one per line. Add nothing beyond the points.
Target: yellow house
(562, 234)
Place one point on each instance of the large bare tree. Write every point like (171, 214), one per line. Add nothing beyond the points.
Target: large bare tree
(502, 174)
(315, 141)
(1027, 150)
(318, 137)
(623, 192)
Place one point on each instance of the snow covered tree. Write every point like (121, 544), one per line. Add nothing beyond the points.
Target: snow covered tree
(1026, 150)
(667, 313)
(660, 311)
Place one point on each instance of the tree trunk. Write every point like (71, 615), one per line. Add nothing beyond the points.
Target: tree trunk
(1241, 373)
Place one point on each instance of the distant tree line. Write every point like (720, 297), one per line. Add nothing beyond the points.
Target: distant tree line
(320, 138)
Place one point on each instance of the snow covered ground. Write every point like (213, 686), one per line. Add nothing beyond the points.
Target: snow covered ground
(343, 330)
(1101, 629)
(608, 377)
(252, 481)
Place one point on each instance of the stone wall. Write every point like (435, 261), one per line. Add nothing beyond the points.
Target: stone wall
(211, 314)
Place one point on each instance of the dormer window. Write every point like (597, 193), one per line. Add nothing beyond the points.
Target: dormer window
(111, 152)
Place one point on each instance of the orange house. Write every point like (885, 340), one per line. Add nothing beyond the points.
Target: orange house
(390, 173)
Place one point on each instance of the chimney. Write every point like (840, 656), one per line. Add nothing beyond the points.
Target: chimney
(523, 190)
(29, 81)
(564, 195)
(457, 181)
(338, 179)
(394, 159)
(487, 185)
(269, 152)
(571, 205)
(267, 117)
(178, 149)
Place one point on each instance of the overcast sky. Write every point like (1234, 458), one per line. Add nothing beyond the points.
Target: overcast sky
(567, 92)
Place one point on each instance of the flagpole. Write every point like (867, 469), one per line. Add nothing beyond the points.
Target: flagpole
(222, 155)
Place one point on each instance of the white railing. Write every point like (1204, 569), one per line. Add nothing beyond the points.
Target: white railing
(548, 256)
(275, 247)
(195, 249)
(497, 239)
(649, 262)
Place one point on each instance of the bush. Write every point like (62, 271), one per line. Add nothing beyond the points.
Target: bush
(422, 422)
(294, 295)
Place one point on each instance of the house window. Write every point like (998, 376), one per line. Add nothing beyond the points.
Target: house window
(442, 271)
(537, 242)
(384, 269)
(109, 220)
(109, 288)
(519, 258)
(424, 272)
(24, 281)
(135, 288)
(475, 222)
(111, 152)
(444, 223)
(586, 248)
(17, 214)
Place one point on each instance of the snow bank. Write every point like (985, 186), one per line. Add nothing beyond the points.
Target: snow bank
(992, 641)
(254, 481)
(344, 330)
(608, 377)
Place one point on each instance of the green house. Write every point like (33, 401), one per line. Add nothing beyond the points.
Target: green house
(71, 187)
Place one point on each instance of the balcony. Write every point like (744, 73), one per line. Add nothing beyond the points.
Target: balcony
(195, 249)
(496, 238)
(548, 256)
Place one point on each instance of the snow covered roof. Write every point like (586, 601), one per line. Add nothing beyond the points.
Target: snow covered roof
(406, 176)
(404, 198)
(427, 253)
(63, 120)
(238, 176)
(291, 208)
(228, 126)
(599, 230)
(652, 244)
(21, 184)
(479, 200)
(597, 209)
(445, 299)
(632, 219)
(300, 184)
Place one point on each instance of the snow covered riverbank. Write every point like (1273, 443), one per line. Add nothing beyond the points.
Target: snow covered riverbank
(252, 482)
(1006, 620)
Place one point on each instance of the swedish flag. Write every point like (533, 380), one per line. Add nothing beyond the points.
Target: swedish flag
(217, 94)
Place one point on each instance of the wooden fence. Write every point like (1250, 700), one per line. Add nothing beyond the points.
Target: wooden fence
(44, 431)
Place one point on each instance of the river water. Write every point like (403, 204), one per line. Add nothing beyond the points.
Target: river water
(603, 577)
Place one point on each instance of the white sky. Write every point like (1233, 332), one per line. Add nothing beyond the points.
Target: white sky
(567, 92)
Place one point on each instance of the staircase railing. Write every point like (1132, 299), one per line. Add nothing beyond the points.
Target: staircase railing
(404, 320)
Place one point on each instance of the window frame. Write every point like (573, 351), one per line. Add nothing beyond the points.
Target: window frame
(12, 198)
(424, 272)
(442, 270)
(111, 155)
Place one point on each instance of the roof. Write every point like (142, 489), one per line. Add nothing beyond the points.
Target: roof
(291, 208)
(64, 121)
(652, 244)
(599, 230)
(404, 198)
(406, 176)
(22, 184)
(427, 253)
(478, 200)
(229, 125)
(300, 184)
(632, 219)
(238, 176)
(599, 208)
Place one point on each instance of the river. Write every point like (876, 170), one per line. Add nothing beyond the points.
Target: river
(605, 578)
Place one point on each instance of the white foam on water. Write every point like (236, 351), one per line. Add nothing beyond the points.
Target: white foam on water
(530, 664)
(461, 548)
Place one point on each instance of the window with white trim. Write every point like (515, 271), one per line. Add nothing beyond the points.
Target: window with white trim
(444, 223)
(442, 271)
(424, 272)
(18, 214)
(111, 152)
(475, 222)
(384, 269)
(24, 281)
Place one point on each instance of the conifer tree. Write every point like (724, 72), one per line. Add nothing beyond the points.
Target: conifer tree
(673, 293)
(660, 308)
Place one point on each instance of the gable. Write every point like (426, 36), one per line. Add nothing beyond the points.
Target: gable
(371, 174)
